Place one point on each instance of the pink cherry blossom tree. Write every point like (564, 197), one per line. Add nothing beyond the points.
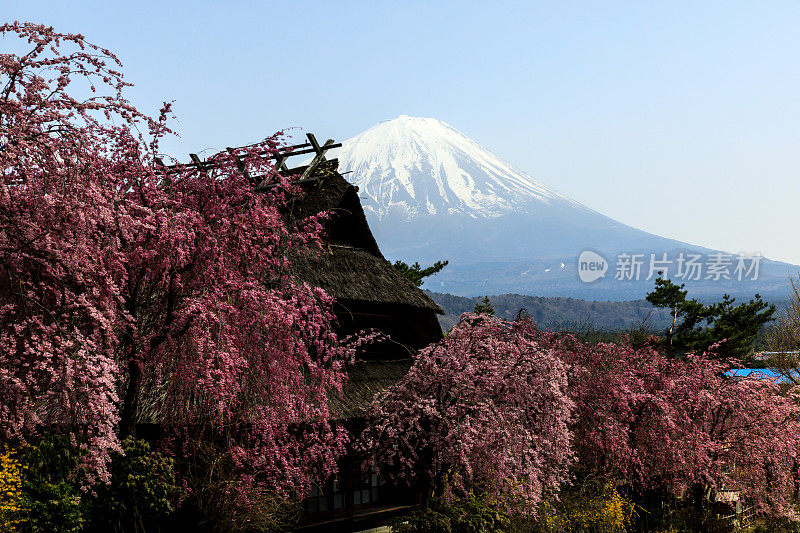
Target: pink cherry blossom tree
(681, 426)
(484, 410)
(128, 294)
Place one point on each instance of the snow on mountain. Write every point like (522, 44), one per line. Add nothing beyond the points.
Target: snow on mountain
(412, 166)
(432, 193)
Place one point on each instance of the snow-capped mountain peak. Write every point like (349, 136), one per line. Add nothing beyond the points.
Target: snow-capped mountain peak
(431, 193)
(413, 166)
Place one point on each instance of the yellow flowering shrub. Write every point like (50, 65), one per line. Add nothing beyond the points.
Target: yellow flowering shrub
(10, 490)
(606, 512)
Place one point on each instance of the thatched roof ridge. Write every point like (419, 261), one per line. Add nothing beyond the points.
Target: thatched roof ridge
(351, 266)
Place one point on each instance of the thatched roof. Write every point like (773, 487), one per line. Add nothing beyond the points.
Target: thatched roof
(365, 379)
(354, 274)
(351, 267)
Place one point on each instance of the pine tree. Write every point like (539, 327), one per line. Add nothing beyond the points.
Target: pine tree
(669, 296)
(698, 327)
(416, 274)
(484, 307)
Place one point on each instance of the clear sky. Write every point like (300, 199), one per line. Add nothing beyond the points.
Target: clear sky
(682, 119)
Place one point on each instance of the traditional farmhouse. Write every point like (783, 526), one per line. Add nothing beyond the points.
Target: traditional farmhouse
(370, 294)
(369, 291)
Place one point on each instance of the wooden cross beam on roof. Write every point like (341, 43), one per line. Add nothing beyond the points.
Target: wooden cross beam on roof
(199, 164)
(280, 163)
(280, 157)
(313, 142)
(319, 158)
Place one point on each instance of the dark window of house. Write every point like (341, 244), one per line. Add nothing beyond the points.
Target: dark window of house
(338, 496)
(374, 486)
(367, 490)
(317, 501)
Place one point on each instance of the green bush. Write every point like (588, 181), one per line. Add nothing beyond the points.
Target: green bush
(776, 525)
(425, 521)
(143, 491)
(473, 514)
(52, 502)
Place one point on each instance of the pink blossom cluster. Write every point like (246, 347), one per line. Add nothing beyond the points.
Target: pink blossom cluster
(676, 424)
(504, 409)
(484, 409)
(130, 295)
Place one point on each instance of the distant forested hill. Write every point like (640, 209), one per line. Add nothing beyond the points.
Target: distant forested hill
(558, 313)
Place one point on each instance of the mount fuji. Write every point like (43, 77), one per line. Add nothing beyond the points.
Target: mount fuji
(432, 193)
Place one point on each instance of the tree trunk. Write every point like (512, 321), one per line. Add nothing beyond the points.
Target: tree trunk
(698, 495)
(672, 327)
(130, 403)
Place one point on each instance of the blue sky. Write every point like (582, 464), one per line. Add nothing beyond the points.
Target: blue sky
(682, 119)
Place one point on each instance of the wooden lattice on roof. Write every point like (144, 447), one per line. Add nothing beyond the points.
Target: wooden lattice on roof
(299, 174)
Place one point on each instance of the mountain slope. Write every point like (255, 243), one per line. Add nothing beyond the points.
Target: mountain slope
(421, 166)
(432, 193)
